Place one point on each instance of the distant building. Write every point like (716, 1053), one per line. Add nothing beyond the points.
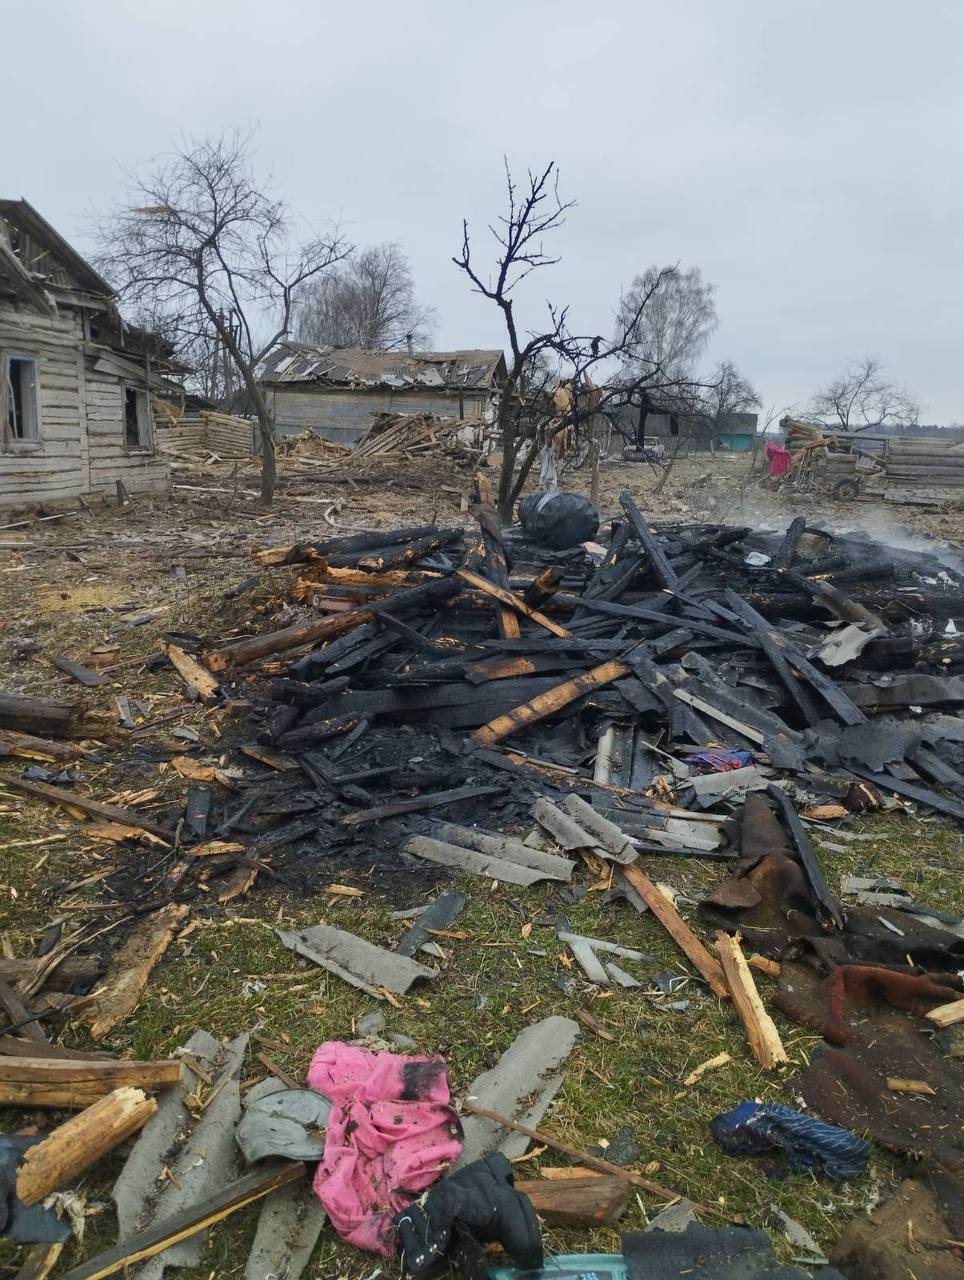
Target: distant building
(737, 432)
(75, 381)
(337, 392)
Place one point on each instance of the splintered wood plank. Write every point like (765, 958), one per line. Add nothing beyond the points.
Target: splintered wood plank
(192, 673)
(39, 1261)
(73, 1084)
(513, 602)
(947, 1015)
(554, 699)
(198, 1217)
(81, 1141)
(74, 801)
(130, 969)
(678, 930)
(761, 1033)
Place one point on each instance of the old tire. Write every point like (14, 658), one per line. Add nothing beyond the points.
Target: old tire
(844, 490)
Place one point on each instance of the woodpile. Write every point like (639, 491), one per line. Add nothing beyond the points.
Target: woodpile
(419, 435)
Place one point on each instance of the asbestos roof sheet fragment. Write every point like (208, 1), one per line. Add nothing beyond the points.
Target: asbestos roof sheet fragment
(507, 848)
(288, 1229)
(611, 842)
(520, 1086)
(360, 963)
(480, 864)
(199, 1152)
(299, 362)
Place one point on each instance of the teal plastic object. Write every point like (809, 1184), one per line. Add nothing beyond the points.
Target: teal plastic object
(570, 1266)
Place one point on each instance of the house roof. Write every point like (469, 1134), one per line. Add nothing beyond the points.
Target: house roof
(344, 367)
(79, 273)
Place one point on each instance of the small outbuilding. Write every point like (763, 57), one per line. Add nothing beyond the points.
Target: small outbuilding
(337, 392)
(75, 380)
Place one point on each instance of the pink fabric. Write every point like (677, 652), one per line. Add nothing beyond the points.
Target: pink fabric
(391, 1134)
(779, 459)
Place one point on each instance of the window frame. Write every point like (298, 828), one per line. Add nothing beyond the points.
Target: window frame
(10, 443)
(145, 443)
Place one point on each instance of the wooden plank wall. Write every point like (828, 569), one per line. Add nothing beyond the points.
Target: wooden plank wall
(346, 416)
(59, 467)
(71, 460)
(221, 433)
(141, 470)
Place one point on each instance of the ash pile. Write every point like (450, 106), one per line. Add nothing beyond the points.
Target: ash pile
(661, 673)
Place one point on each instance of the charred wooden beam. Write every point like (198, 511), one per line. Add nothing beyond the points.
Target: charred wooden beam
(43, 716)
(667, 575)
(242, 652)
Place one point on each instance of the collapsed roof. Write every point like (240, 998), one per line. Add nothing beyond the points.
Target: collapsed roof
(291, 362)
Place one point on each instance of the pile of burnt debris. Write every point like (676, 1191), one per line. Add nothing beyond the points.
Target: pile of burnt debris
(444, 701)
(478, 672)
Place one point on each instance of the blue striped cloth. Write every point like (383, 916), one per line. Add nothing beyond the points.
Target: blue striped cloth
(808, 1145)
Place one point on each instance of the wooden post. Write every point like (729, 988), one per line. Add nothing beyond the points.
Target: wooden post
(761, 1033)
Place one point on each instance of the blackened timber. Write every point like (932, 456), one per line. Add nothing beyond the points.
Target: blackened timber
(839, 702)
(95, 808)
(357, 542)
(763, 632)
(787, 549)
(552, 700)
(36, 715)
(664, 571)
(543, 586)
(432, 800)
(401, 557)
(414, 638)
(829, 906)
(307, 695)
(318, 731)
(656, 615)
(400, 701)
(243, 652)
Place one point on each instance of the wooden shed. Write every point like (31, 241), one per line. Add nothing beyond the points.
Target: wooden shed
(338, 392)
(75, 381)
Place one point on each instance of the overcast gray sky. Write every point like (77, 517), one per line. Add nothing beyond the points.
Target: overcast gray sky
(805, 154)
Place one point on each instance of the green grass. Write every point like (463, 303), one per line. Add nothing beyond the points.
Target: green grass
(495, 982)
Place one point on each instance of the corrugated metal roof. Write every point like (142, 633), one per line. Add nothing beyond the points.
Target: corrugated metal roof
(336, 366)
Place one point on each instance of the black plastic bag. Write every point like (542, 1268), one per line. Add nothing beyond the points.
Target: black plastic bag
(558, 520)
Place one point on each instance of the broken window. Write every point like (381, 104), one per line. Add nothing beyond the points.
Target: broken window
(137, 419)
(21, 416)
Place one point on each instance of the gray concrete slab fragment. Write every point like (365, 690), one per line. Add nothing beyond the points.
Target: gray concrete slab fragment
(520, 1086)
(356, 961)
(728, 781)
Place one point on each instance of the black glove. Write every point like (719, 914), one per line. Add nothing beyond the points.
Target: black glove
(480, 1202)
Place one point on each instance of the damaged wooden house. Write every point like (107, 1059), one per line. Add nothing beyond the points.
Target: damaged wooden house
(75, 380)
(337, 392)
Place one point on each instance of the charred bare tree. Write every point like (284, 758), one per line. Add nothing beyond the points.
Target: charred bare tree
(584, 360)
(862, 399)
(200, 243)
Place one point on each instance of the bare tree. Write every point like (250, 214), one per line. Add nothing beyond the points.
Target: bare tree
(727, 392)
(531, 214)
(367, 302)
(671, 331)
(202, 244)
(863, 399)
